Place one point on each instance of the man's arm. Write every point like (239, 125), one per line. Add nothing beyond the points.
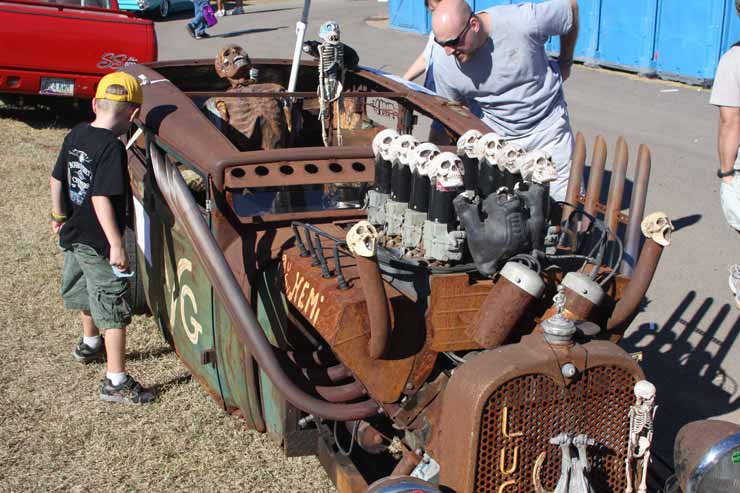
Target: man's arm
(728, 138)
(568, 44)
(57, 204)
(107, 219)
(417, 68)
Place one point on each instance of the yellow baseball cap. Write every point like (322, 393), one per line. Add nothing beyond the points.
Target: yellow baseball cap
(127, 81)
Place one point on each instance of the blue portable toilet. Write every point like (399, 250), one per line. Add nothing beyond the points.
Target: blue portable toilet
(689, 38)
(409, 15)
(627, 34)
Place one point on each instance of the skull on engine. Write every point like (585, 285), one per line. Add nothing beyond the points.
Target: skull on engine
(448, 170)
(362, 239)
(487, 147)
(537, 166)
(466, 143)
(382, 143)
(420, 156)
(400, 148)
(658, 227)
(329, 32)
(508, 157)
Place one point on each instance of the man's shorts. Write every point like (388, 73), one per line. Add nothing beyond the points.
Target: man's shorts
(88, 283)
(729, 196)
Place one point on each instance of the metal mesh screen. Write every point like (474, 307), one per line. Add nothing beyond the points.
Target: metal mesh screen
(538, 409)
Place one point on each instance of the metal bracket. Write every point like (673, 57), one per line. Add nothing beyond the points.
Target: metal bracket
(208, 357)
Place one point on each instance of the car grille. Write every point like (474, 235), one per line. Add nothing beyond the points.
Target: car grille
(596, 405)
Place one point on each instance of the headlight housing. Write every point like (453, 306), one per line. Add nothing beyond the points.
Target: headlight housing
(707, 457)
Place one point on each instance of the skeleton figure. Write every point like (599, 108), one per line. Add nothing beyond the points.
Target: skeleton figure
(641, 415)
(250, 123)
(658, 227)
(573, 469)
(331, 76)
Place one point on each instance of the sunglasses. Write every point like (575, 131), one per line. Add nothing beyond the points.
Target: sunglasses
(453, 43)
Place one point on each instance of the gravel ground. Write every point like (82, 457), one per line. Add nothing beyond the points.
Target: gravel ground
(55, 434)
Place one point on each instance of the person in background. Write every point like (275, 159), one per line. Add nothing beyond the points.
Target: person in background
(90, 194)
(197, 27)
(220, 11)
(497, 59)
(421, 64)
(726, 96)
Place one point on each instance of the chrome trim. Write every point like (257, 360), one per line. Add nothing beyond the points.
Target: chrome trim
(710, 459)
(405, 485)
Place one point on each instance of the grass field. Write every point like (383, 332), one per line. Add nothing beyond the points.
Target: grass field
(55, 434)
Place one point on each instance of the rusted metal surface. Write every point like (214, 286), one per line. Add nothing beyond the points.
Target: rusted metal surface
(499, 314)
(626, 308)
(368, 438)
(616, 185)
(422, 399)
(576, 176)
(596, 176)
(453, 305)
(498, 415)
(377, 305)
(341, 393)
(409, 460)
(637, 210)
(340, 469)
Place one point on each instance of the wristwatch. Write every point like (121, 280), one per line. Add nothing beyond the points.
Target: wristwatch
(725, 174)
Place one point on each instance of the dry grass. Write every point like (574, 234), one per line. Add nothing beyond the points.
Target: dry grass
(54, 432)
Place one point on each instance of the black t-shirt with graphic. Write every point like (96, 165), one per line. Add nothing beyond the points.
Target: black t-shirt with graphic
(92, 162)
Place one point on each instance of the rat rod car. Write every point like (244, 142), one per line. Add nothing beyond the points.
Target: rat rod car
(388, 305)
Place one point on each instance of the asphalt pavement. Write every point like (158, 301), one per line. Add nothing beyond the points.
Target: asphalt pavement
(689, 328)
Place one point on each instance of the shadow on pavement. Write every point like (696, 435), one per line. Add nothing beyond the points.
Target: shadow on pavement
(689, 375)
(247, 31)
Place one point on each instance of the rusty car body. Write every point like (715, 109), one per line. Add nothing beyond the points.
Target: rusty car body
(251, 279)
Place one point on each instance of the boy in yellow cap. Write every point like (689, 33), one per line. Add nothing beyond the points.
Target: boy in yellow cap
(90, 194)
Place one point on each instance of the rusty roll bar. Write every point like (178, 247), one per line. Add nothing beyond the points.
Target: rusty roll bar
(636, 289)
(241, 315)
(637, 210)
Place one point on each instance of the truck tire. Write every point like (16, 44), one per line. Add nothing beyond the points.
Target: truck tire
(164, 8)
(137, 300)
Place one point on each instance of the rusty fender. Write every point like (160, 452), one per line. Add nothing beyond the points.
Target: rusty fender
(249, 331)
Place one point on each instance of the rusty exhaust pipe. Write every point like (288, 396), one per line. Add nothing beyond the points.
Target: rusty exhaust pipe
(341, 393)
(595, 178)
(637, 210)
(362, 242)
(250, 333)
(576, 177)
(616, 187)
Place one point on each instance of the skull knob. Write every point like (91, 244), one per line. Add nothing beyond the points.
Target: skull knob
(420, 156)
(466, 143)
(447, 169)
(487, 147)
(382, 143)
(644, 390)
(362, 239)
(658, 227)
(508, 157)
(400, 148)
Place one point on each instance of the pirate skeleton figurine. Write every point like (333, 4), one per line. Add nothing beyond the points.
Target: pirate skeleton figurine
(249, 122)
(641, 416)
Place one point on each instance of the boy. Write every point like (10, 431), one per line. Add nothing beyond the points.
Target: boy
(90, 190)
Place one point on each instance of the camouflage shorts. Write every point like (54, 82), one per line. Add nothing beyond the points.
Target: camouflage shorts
(88, 283)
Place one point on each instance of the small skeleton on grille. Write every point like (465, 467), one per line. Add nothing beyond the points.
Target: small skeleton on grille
(641, 415)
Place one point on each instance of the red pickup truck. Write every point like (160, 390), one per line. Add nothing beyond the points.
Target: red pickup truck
(63, 48)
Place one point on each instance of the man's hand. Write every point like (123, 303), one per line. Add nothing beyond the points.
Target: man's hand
(118, 258)
(565, 69)
(56, 226)
(728, 179)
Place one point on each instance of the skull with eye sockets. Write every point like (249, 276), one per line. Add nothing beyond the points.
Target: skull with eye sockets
(362, 239)
(400, 149)
(466, 143)
(528, 162)
(507, 158)
(658, 227)
(382, 143)
(448, 170)
(487, 147)
(420, 156)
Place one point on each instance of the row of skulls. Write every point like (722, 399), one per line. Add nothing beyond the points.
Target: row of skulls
(446, 168)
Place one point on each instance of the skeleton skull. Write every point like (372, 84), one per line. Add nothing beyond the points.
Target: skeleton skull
(658, 227)
(466, 143)
(382, 143)
(448, 171)
(232, 62)
(329, 32)
(400, 148)
(645, 391)
(508, 157)
(362, 239)
(420, 156)
(487, 147)
(537, 167)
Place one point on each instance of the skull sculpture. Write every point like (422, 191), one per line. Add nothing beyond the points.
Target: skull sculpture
(537, 166)
(400, 148)
(420, 156)
(233, 63)
(508, 157)
(448, 169)
(329, 32)
(362, 239)
(487, 147)
(466, 143)
(658, 227)
(382, 143)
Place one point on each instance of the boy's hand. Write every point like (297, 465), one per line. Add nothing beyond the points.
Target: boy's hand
(118, 258)
(56, 226)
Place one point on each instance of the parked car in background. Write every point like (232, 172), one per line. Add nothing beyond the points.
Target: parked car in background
(163, 8)
(63, 49)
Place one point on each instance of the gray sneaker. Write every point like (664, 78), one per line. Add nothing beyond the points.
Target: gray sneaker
(82, 353)
(128, 392)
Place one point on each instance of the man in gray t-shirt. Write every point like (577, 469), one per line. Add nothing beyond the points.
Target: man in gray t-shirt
(497, 59)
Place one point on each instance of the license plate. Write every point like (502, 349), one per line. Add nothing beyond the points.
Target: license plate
(57, 86)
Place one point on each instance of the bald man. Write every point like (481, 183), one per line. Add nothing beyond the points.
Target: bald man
(496, 58)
